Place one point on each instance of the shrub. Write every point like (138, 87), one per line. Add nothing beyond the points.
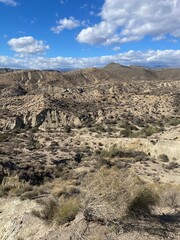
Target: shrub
(4, 190)
(147, 131)
(29, 194)
(65, 191)
(112, 152)
(68, 211)
(170, 196)
(98, 128)
(109, 190)
(142, 203)
(163, 158)
(67, 129)
(49, 211)
(126, 132)
(174, 122)
(172, 165)
(63, 213)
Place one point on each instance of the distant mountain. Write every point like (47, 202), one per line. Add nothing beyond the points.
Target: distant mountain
(5, 70)
(130, 72)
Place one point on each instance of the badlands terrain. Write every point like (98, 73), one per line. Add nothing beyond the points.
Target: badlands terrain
(90, 154)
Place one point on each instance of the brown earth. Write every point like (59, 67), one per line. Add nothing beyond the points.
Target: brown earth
(69, 138)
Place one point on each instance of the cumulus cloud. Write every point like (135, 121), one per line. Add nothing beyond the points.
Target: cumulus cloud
(65, 23)
(9, 2)
(124, 21)
(170, 58)
(27, 45)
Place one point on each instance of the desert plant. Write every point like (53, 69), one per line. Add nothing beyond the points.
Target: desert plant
(170, 196)
(48, 212)
(142, 203)
(4, 190)
(174, 122)
(115, 151)
(67, 129)
(67, 210)
(163, 158)
(126, 132)
(98, 128)
(29, 194)
(112, 152)
(111, 190)
(147, 131)
(171, 165)
(60, 213)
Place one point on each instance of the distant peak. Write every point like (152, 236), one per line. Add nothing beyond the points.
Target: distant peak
(113, 65)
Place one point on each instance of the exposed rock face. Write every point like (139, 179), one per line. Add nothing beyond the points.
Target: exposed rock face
(51, 99)
(19, 222)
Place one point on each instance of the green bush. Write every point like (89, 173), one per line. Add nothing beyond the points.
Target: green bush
(147, 131)
(68, 211)
(61, 214)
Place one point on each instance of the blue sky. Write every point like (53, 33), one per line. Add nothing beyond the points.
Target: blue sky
(80, 33)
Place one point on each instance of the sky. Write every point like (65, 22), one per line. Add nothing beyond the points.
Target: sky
(56, 34)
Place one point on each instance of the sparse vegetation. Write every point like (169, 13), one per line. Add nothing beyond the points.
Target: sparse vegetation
(48, 212)
(164, 158)
(115, 151)
(147, 131)
(115, 188)
(97, 152)
(142, 203)
(61, 213)
(98, 128)
(67, 210)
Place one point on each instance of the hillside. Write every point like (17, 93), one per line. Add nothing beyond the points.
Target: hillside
(90, 154)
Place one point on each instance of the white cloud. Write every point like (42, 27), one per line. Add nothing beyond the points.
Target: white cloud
(123, 21)
(65, 23)
(9, 2)
(169, 58)
(27, 45)
(116, 48)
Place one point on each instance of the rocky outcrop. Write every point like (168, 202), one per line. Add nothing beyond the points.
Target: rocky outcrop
(18, 222)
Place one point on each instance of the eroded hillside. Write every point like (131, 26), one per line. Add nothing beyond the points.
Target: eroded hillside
(90, 154)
